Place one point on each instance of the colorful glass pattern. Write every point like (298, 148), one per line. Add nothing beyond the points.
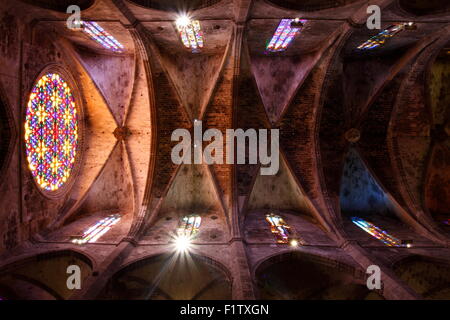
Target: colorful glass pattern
(284, 34)
(447, 222)
(191, 34)
(101, 36)
(279, 228)
(97, 230)
(189, 226)
(380, 39)
(51, 132)
(377, 232)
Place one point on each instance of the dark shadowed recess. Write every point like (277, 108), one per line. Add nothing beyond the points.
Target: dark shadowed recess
(60, 5)
(5, 133)
(310, 5)
(437, 185)
(7, 294)
(425, 7)
(300, 276)
(175, 5)
(428, 277)
(42, 277)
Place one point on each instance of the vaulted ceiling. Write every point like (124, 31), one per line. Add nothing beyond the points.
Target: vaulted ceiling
(353, 125)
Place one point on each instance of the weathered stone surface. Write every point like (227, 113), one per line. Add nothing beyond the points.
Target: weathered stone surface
(361, 133)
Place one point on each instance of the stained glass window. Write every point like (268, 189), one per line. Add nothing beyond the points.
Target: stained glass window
(190, 33)
(97, 230)
(377, 232)
(380, 39)
(189, 226)
(51, 131)
(447, 222)
(279, 228)
(100, 35)
(284, 34)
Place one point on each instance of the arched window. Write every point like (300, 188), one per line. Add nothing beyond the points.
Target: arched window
(380, 39)
(279, 228)
(101, 36)
(189, 226)
(378, 233)
(51, 132)
(284, 34)
(190, 33)
(97, 230)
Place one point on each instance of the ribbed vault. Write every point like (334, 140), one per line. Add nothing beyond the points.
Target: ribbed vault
(360, 133)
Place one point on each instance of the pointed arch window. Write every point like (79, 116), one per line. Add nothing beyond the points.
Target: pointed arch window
(279, 228)
(189, 226)
(380, 39)
(101, 36)
(190, 33)
(97, 230)
(377, 232)
(284, 34)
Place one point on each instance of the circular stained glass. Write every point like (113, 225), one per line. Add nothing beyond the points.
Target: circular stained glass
(51, 132)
